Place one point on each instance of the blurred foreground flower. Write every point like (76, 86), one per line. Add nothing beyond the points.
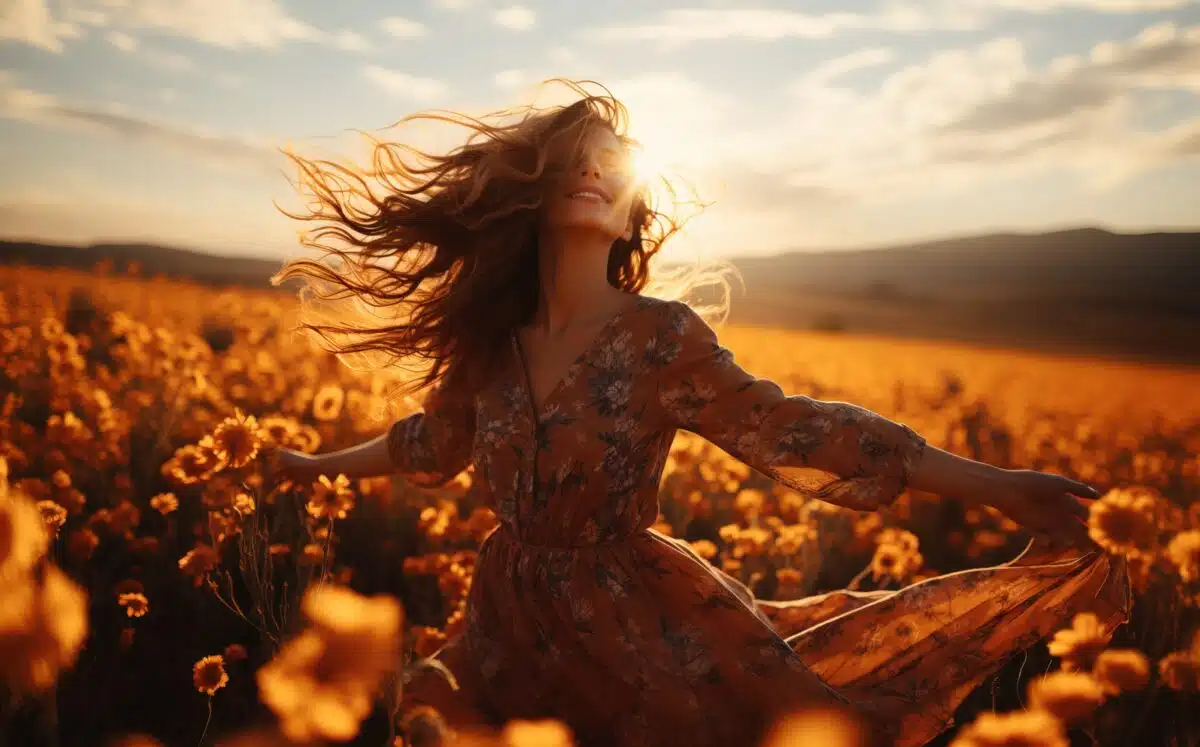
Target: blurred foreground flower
(1015, 729)
(1072, 697)
(816, 728)
(322, 683)
(1079, 645)
(43, 624)
(1122, 670)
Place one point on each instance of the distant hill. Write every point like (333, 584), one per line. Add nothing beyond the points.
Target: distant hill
(151, 258)
(1154, 271)
(1076, 291)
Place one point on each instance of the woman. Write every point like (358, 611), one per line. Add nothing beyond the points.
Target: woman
(520, 258)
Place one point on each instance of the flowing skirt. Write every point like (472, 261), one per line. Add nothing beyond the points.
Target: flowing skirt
(910, 656)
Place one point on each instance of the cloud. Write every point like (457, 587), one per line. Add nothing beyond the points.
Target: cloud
(43, 109)
(349, 41)
(862, 59)
(965, 117)
(1099, 6)
(687, 25)
(403, 28)
(122, 41)
(1162, 56)
(515, 17)
(230, 24)
(30, 22)
(404, 85)
(511, 78)
(956, 121)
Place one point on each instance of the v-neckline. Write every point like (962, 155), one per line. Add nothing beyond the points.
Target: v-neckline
(569, 372)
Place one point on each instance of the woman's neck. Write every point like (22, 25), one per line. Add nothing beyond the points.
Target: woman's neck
(573, 281)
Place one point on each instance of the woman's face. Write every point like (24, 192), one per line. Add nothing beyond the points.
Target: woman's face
(595, 186)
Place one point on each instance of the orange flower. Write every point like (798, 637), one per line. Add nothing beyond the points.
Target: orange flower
(1079, 645)
(1072, 697)
(322, 682)
(208, 674)
(537, 733)
(1184, 552)
(331, 499)
(198, 562)
(164, 503)
(327, 403)
(1126, 522)
(53, 514)
(135, 604)
(825, 727)
(236, 440)
(705, 549)
(192, 464)
(1122, 670)
(1015, 729)
(42, 627)
(23, 536)
(1180, 670)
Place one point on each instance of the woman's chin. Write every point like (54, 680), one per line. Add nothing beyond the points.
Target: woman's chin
(580, 224)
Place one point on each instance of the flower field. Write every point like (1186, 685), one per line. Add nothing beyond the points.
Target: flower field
(155, 589)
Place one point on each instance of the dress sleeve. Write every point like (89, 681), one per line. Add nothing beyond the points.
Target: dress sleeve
(432, 446)
(832, 451)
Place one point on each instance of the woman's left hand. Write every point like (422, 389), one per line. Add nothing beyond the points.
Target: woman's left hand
(1046, 504)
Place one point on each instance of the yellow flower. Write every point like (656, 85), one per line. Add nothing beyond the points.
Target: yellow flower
(1079, 645)
(243, 504)
(749, 502)
(1180, 670)
(193, 463)
(705, 549)
(236, 440)
(327, 403)
(1184, 552)
(135, 604)
(164, 503)
(331, 499)
(209, 675)
(198, 562)
(1072, 697)
(824, 727)
(537, 733)
(322, 682)
(895, 562)
(1126, 522)
(1014, 729)
(1122, 670)
(23, 536)
(277, 429)
(53, 515)
(42, 627)
(901, 538)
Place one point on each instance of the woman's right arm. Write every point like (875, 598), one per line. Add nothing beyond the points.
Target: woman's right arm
(428, 447)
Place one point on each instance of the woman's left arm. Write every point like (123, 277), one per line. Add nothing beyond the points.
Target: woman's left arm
(833, 451)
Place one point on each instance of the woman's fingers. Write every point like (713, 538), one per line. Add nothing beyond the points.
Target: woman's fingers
(1081, 489)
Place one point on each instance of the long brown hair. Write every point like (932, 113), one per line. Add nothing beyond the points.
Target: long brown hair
(442, 249)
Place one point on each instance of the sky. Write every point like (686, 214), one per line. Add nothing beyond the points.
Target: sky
(817, 125)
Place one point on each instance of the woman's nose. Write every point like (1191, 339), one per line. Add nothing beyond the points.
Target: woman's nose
(590, 167)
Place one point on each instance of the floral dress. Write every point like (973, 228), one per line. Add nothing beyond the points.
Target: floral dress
(579, 611)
